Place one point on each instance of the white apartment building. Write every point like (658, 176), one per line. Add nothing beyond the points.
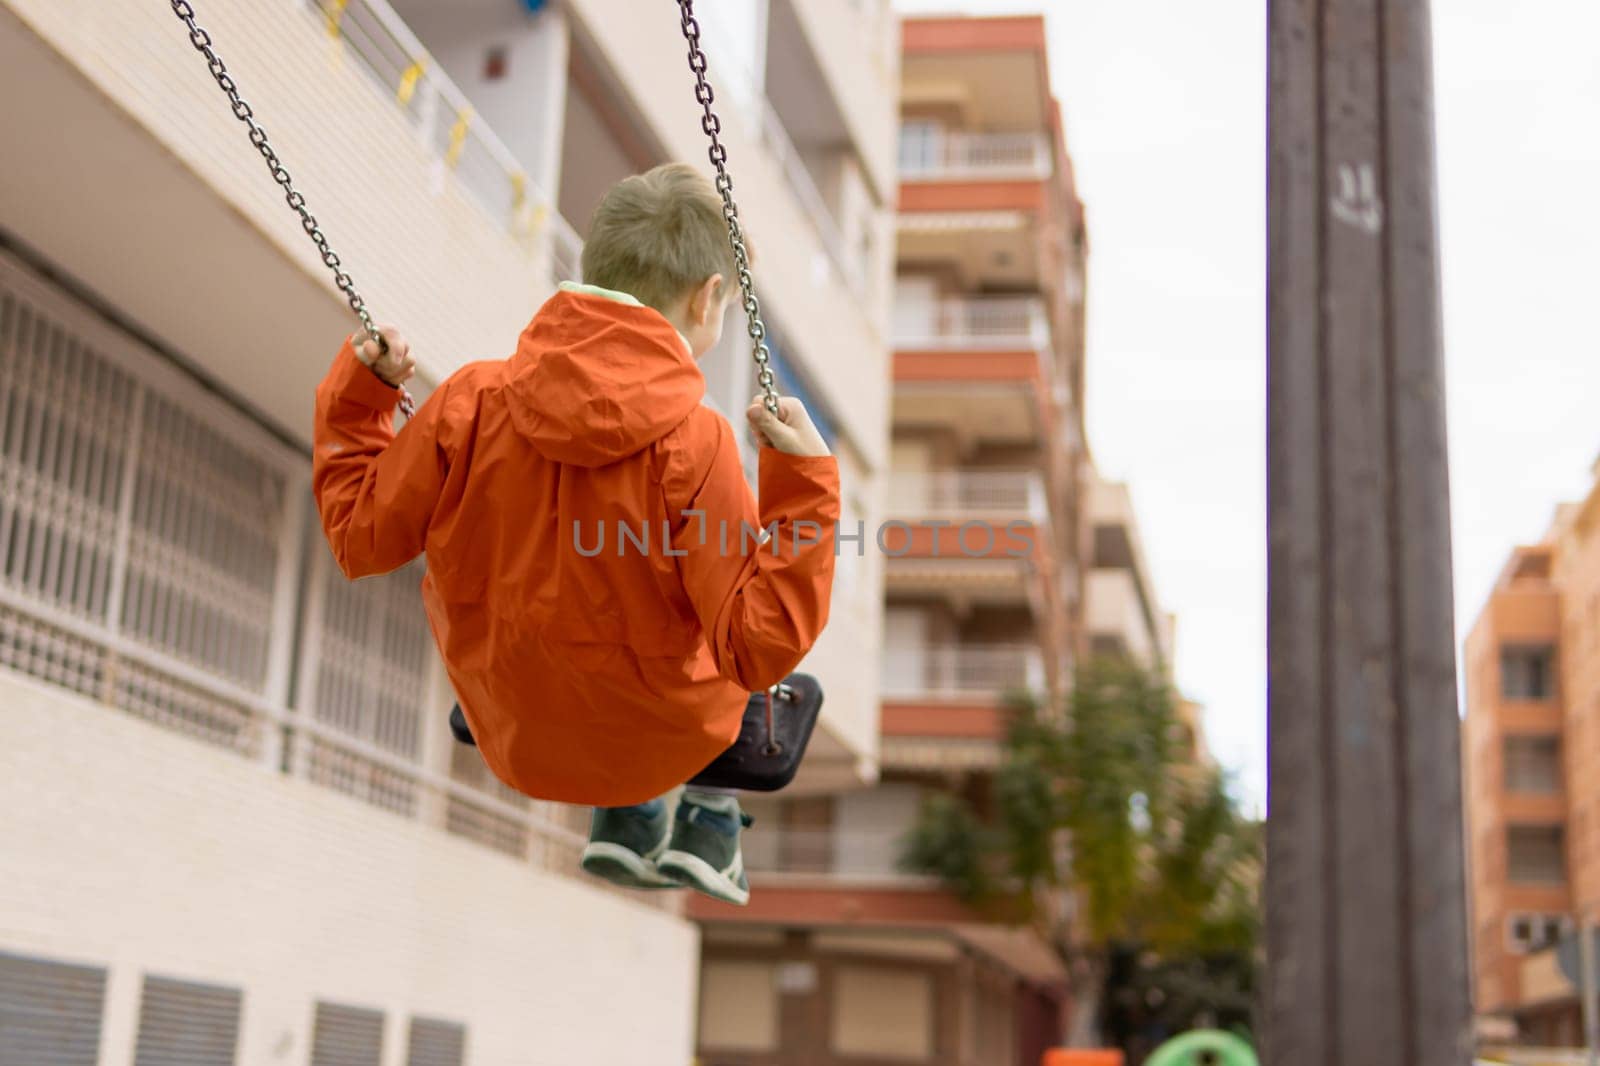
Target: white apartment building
(233, 828)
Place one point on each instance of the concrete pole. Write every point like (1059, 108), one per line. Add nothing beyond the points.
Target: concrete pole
(1366, 916)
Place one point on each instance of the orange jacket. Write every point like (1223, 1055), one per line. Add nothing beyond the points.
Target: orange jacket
(598, 678)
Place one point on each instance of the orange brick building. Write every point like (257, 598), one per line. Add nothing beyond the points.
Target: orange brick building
(1532, 754)
(842, 958)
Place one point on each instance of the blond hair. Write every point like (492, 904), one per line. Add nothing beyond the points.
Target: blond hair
(658, 235)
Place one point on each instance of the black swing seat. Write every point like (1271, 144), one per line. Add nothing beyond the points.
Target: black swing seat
(772, 740)
(459, 727)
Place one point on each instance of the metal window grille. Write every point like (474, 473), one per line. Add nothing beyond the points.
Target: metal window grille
(367, 657)
(346, 1036)
(145, 528)
(150, 556)
(49, 1012)
(186, 1024)
(205, 538)
(436, 1043)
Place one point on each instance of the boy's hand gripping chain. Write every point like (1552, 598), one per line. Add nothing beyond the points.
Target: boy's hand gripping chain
(258, 137)
(712, 125)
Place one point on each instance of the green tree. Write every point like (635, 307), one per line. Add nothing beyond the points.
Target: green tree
(1095, 799)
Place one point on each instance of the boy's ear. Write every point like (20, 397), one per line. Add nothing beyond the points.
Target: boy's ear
(708, 297)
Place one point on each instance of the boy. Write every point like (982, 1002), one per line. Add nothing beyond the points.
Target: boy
(596, 583)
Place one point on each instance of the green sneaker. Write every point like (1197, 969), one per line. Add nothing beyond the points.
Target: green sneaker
(704, 852)
(625, 842)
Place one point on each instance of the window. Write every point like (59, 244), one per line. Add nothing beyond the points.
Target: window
(805, 835)
(883, 1013)
(1533, 765)
(49, 1012)
(346, 1036)
(192, 1024)
(1536, 854)
(738, 1006)
(1527, 673)
(436, 1043)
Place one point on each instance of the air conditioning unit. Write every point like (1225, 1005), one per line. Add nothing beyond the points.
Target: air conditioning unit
(1527, 934)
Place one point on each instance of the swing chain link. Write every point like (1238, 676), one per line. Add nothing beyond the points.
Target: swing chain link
(293, 197)
(712, 125)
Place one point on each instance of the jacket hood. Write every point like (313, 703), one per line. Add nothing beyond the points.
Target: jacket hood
(595, 380)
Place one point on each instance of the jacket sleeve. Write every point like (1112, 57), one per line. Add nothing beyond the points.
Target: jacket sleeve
(375, 490)
(762, 605)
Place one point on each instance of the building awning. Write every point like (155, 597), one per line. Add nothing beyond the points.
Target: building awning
(938, 753)
(951, 221)
(1542, 981)
(985, 572)
(1019, 949)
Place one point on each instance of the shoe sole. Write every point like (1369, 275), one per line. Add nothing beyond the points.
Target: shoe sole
(623, 866)
(702, 876)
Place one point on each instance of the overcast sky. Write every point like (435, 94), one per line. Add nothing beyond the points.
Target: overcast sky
(1164, 104)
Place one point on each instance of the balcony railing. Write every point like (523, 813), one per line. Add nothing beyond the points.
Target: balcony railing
(970, 494)
(872, 855)
(961, 671)
(455, 137)
(973, 323)
(936, 155)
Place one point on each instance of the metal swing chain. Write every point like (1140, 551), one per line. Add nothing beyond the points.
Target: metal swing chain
(258, 137)
(712, 125)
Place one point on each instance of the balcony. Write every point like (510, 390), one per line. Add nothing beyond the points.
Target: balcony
(938, 155)
(165, 566)
(827, 877)
(973, 324)
(863, 855)
(976, 536)
(966, 494)
(441, 229)
(962, 673)
(980, 364)
(944, 706)
(448, 129)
